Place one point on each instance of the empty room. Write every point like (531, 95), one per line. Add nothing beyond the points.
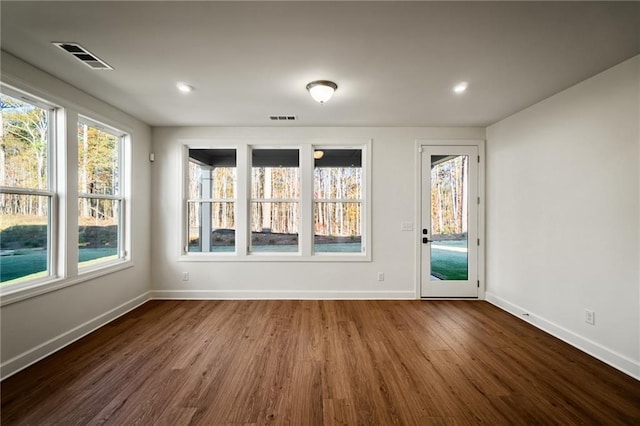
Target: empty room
(319, 212)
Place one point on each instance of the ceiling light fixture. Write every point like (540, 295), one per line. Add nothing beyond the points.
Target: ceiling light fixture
(321, 90)
(460, 87)
(184, 87)
(318, 154)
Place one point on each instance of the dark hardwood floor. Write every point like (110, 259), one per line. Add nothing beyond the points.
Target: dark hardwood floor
(319, 363)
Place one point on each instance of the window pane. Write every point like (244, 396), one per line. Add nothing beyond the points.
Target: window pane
(449, 217)
(274, 227)
(219, 219)
(275, 174)
(98, 230)
(25, 142)
(338, 174)
(24, 238)
(338, 227)
(212, 174)
(98, 161)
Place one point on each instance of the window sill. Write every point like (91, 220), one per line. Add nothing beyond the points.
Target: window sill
(9, 296)
(263, 257)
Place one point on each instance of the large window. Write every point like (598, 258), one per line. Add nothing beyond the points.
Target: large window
(27, 198)
(100, 199)
(211, 213)
(44, 180)
(277, 202)
(337, 208)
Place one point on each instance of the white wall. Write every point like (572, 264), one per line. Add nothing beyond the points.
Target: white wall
(34, 327)
(393, 201)
(563, 215)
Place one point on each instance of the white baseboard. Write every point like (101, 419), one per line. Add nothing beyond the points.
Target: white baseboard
(25, 359)
(284, 294)
(596, 350)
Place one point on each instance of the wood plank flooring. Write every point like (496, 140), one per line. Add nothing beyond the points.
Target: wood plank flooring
(319, 363)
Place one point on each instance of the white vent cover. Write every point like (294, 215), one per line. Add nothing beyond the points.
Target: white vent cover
(282, 117)
(83, 55)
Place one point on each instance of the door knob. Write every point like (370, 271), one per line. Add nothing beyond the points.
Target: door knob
(426, 240)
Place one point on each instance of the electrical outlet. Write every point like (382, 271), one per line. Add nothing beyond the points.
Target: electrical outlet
(589, 317)
(406, 226)
(380, 276)
(185, 276)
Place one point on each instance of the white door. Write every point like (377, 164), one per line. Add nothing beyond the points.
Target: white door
(449, 214)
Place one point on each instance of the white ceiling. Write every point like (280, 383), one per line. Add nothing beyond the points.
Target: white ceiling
(394, 62)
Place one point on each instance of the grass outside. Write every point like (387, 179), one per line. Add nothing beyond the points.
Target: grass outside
(25, 265)
(449, 265)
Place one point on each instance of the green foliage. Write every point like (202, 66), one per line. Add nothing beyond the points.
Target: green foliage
(98, 236)
(35, 236)
(23, 236)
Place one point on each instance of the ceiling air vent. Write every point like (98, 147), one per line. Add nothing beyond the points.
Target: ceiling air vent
(84, 56)
(282, 117)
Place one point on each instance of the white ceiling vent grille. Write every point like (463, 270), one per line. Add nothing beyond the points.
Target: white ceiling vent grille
(282, 117)
(83, 55)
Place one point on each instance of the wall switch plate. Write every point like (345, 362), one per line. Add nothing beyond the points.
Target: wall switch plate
(406, 226)
(589, 317)
(380, 276)
(185, 276)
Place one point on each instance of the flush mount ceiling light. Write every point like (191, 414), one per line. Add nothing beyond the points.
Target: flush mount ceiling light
(318, 154)
(184, 87)
(460, 87)
(321, 90)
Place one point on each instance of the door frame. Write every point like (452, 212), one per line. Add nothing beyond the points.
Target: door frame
(419, 144)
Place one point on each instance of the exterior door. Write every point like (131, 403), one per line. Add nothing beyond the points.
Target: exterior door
(449, 214)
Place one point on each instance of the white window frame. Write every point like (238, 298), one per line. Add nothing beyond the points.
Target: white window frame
(62, 175)
(211, 200)
(297, 201)
(51, 192)
(364, 212)
(242, 202)
(119, 196)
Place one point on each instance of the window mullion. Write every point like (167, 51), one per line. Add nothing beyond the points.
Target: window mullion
(306, 200)
(68, 186)
(243, 164)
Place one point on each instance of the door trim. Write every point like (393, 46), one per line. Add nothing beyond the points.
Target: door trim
(480, 143)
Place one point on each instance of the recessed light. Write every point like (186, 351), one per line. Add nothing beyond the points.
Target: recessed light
(184, 87)
(460, 87)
